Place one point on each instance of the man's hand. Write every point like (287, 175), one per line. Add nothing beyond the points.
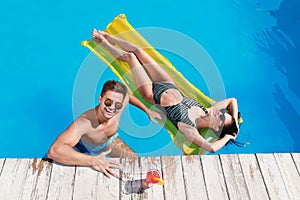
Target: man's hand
(154, 115)
(105, 165)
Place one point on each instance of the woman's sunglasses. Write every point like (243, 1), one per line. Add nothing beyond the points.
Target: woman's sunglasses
(108, 102)
(222, 116)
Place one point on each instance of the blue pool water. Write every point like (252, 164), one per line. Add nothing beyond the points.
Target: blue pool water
(47, 78)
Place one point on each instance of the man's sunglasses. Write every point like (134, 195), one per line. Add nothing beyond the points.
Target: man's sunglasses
(108, 102)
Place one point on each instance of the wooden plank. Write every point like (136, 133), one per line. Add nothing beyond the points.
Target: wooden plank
(289, 174)
(13, 178)
(296, 158)
(155, 191)
(2, 160)
(193, 178)
(253, 177)
(108, 188)
(85, 186)
(172, 172)
(61, 182)
(236, 185)
(127, 176)
(132, 184)
(272, 176)
(244, 176)
(37, 180)
(214, 178)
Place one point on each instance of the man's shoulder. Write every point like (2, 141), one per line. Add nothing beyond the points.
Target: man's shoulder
(88, 115)
(82, 120)
(83, 125)
(87, 118)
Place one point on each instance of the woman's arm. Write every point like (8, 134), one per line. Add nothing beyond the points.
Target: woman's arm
(193, 136)
(231, 104)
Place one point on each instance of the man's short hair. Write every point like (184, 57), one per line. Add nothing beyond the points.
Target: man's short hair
(115, 86)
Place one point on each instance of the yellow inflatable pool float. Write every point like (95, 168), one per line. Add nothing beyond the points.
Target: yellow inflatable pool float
(121, 28)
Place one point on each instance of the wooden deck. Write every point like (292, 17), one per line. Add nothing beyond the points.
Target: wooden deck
(242, 176)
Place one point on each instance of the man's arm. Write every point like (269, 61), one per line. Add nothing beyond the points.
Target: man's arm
(136, 102)
(62, 150)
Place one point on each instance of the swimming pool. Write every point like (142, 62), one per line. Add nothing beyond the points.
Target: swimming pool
(255, 47)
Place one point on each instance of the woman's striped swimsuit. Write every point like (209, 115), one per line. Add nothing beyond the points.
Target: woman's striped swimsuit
(179, 112)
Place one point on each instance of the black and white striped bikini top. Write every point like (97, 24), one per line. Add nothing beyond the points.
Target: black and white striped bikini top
(179, 112)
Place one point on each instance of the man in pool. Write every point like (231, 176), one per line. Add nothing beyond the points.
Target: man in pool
(93, 135)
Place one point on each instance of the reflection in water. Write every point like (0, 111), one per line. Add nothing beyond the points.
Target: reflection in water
(286, 109)
(282, 43)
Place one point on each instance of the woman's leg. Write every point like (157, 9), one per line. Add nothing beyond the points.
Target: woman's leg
(141, 78)
(154, 70)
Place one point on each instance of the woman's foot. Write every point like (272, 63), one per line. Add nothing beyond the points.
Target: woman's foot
(116, 52)
(109, 37)
(126, 46)
(98, 37)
